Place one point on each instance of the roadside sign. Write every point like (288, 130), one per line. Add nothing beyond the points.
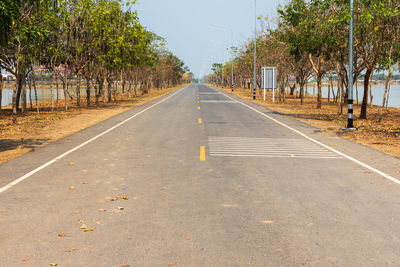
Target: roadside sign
(268, 80)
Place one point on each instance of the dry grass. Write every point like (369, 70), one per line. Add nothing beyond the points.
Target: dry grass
(34, 130)
(382, 135)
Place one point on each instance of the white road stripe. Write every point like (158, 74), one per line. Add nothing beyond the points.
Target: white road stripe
(273, 156)
(321, 144)
(8, 186)
(210, 93)
(217, 101)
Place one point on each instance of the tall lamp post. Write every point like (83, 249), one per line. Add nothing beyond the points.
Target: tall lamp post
(255, 48)
(350, 124)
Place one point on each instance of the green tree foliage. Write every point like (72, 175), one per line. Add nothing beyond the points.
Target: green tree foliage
(99, 41)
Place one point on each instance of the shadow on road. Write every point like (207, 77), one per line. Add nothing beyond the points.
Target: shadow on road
(10, 144)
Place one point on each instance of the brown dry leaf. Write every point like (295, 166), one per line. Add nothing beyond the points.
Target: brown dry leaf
(70, 250)
(84, 182)
(53, 264)
(26, 259)
(124, 197)
(267, 222)
(120, 208)
(172, 264)
(114, 199)
(71, 187)
(88, 230)
(62, 234)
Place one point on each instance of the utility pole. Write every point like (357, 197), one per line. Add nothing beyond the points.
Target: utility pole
(350, 116)
(255, 48)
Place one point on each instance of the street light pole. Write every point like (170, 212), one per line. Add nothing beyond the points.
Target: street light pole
(350, 124)
(255, 48)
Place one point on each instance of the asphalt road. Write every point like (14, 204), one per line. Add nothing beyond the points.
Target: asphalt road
(259, 194)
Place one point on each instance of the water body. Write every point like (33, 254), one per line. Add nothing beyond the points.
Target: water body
(42, 95)
(377, 92)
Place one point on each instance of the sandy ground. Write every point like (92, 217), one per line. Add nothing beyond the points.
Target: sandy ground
(33, 131)
(383, 136)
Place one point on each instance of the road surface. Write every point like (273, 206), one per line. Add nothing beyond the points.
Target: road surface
(210, 181)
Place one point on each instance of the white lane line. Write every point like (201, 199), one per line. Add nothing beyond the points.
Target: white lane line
(218, 101)
(210, 93)
(394, 180)
(8, 186)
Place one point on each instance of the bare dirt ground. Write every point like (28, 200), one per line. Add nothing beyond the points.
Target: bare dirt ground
(382, 135)
(34, 130)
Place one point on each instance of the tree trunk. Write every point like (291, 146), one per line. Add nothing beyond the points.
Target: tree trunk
(364, 105)
(329, 87)
(1, 88)
(319, 87)
(78, 91)
(34, 87)
(57, 93)
(51, 93)
(23, 95)
(30, 92)
(88, 92)
(301, 93)
(371, 97)
(385, 94)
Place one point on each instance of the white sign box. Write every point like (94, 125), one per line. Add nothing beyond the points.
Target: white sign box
(268, 80)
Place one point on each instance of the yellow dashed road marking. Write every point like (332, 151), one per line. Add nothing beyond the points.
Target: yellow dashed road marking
(202, 153)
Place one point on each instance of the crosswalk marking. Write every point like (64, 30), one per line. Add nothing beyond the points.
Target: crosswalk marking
(267, 147)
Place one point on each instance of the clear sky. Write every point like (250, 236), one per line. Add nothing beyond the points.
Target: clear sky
(186, 26)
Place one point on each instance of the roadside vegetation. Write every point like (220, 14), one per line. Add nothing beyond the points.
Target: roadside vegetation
(91, 50)
(308, 42)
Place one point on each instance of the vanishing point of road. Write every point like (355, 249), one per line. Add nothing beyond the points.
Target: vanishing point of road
(200, 178)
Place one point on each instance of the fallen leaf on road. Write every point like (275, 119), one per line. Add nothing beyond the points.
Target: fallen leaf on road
(120, 208)
(80, 221)
(83, 226)
(172, 264)
(71, 163)
(97, 222)
(124, 265)
(88, 230)
(102, 210)
(267, 222)
(114, 199)
(26, 259)
(71, 187)
(84, 182)
(124, 197)
(62, 234)
(70, 250)
(53, 264)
